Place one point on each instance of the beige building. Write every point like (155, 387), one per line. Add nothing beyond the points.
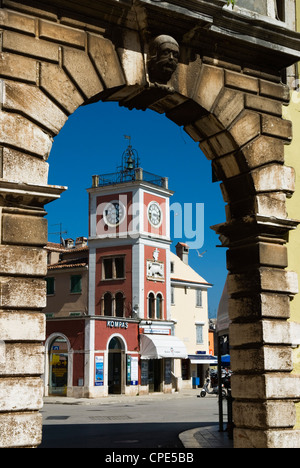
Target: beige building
(189, 310)
(67, 278)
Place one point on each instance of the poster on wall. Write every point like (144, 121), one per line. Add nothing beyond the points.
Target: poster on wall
(134, 377)
(99, 371)
(168, 368)
(144, 372)
(128, 370)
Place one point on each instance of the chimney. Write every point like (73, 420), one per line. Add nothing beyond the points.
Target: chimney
(80, 242)
(69, 243)
(182, 251)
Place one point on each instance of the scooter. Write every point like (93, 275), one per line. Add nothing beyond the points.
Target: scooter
(211, 390)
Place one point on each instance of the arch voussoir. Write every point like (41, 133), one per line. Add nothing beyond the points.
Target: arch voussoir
(24, 135)
(106, 61)
(30, 101)
(55, 83)
(78, 66)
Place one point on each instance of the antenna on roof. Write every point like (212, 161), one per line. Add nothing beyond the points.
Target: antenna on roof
(60, 233)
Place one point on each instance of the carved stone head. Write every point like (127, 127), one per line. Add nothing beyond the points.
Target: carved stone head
(163, 59)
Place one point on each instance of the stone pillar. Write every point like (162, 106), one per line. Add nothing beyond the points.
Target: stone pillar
(23, 266)
(259, 286)
(260, 290)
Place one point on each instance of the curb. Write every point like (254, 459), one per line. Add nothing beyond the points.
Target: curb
(205, 437)
(188, 439)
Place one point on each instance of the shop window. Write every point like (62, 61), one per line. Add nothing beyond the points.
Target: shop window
(50, 286)
(107, 304)
(113, 268)
(58, 366)
(151, 306)
(119, 301)
(75, 287)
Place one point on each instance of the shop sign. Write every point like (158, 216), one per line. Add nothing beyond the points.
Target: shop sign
(116, 324)
(156, 331)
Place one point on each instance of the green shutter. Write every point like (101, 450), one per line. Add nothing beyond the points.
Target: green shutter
(50, 285)
(76, 284)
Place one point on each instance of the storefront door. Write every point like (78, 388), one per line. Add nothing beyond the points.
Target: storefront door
(154, 375)
(116, 366)
(58, 367)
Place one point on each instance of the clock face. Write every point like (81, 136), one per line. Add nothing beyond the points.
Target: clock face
(154, 214)
(114, 213)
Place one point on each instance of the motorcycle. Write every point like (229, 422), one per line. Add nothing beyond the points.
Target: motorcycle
(226, 379)
(212, 390)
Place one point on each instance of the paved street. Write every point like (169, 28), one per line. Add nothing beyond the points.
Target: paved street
(153, 421)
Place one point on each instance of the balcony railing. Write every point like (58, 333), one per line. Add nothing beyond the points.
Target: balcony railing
(138, 174)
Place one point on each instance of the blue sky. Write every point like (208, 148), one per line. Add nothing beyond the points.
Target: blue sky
(92, 142)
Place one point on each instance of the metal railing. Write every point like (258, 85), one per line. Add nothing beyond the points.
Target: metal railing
(138, 174)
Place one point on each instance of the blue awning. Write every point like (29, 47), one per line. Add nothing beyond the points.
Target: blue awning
(225, 359)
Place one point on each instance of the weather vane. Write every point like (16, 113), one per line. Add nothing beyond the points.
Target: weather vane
(127, 137)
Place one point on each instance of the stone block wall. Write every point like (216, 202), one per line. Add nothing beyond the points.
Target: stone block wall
(52, 60)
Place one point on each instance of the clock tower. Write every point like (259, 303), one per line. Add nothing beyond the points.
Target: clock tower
(129, 240)
(129, 280)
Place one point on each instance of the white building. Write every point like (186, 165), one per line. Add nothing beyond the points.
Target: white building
(189, 310)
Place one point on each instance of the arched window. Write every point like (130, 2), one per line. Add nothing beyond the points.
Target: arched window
(151, 306)
(119, 299)
(115, 344)
(107, 304)
(159, 306)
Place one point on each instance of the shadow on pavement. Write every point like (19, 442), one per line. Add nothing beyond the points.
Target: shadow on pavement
(112, 436)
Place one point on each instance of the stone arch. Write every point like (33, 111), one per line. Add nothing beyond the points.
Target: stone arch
(118, 338)
(50, 65)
